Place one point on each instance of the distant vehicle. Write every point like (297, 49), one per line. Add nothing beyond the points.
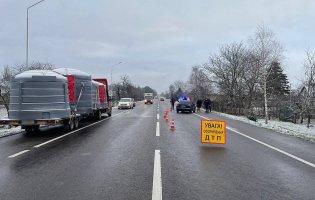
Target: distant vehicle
(125, 103)
(134, 103)
(148, 98)
(162, 99)
(185, 106)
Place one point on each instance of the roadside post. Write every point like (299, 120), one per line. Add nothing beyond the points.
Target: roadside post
(213, 132)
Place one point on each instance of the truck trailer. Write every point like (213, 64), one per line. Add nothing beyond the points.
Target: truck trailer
(148, 98)
(62, 96)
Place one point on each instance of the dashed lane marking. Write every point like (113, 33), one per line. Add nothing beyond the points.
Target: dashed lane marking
(157, 130)
(19, 153)
(157, 179)
(157, 116)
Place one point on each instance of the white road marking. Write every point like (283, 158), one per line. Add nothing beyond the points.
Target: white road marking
(157, 180)
(157, 130)
(268, 145)
(157, 116)
(202, 116)
(19, 153)
(62, 136)
(274, 148)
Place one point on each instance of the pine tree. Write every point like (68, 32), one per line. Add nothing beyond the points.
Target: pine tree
(278, 84)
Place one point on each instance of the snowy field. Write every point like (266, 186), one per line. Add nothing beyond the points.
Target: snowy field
(4, 131)
(288, 128)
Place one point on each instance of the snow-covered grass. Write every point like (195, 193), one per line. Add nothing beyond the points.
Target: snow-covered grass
(5, 130)
(288, 128)
(3, 112)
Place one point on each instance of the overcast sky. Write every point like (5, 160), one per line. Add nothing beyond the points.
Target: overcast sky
(158, 41)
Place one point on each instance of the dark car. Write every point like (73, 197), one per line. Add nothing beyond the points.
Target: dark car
(185, 106)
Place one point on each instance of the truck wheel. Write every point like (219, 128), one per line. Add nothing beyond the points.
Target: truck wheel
(69, 125)
(76, 123)
(99, 115)
(31, 130)
(177, 111)
(109, 113)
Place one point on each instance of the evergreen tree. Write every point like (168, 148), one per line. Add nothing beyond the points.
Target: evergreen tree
(278, 84)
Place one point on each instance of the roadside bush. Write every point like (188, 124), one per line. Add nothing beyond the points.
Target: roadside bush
(252, 117)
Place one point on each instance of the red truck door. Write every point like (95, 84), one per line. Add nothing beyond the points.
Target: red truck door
(71, 88)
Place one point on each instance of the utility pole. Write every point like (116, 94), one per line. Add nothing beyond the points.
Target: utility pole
(27, 10)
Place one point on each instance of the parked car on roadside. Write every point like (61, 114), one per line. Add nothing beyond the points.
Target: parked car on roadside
(185, 106)
(125, 103)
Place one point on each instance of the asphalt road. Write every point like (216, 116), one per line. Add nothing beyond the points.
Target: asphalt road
(127, 157)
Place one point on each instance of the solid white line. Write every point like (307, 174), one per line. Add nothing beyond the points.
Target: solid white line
(157, 130)
(19, 153)
(274, 148)
(157, 180)
(57, 138)
(202, 116)
(268, 145)
(157, 116)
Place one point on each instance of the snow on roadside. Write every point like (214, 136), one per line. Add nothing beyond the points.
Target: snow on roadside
(287, 128)
(9, 131)
(5, 130)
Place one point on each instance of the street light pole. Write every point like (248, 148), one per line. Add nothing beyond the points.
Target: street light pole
(111, 72)
(28, 8)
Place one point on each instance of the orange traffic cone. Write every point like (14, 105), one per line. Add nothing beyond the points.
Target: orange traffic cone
(172, 125)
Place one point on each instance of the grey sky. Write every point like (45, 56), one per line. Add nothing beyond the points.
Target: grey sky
(158, 41)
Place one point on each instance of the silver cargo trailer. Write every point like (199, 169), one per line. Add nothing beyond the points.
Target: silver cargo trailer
(81, 101)
(58, 97)
(38, 97)
(99, 106)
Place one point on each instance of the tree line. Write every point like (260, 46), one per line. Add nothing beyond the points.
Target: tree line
(124, 88)
(247, 78)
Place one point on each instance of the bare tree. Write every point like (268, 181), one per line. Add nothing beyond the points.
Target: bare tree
(267, 49)
(171, 90)
(251, 77)
(6, 76)
(199, 83)
(228, 68)
(180, 85)
(125, 88)
(307, 93)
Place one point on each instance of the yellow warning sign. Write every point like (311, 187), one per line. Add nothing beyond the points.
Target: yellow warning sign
(213, 132)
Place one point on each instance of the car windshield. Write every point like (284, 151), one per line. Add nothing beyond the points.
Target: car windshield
(185, 102)
(125, 100)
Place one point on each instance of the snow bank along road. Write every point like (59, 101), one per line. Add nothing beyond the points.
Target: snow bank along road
(134, 155)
